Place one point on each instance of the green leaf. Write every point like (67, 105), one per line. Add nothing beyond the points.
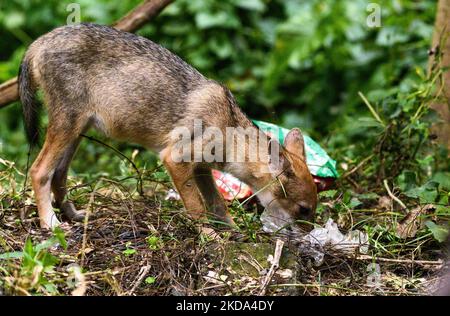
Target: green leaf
(221, 46)
(328, 194)
(443, 178)
(14, 20)
(205, 20)
(407, 180)
(368, 196)
(354, 202)
(48, 260)
(390, 35)
(426, 193)
(439, 232)
(11, 255)
(51, 288)
(150, 280)
(129, 252)
(46, 244)
(154, 242)
(443, 210)
(60, 236)
(254, 5)
(28, 248)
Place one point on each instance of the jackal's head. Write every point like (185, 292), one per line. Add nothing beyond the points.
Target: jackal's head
(291, 195)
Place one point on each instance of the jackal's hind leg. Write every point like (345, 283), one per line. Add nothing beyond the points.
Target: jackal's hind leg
(43, 170)
(59, 184)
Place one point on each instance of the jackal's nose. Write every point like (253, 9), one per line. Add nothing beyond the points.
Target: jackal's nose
(305, 212)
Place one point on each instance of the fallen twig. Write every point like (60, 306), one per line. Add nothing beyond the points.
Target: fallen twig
(396, 199)
(275, 264)
(437, 263)
(142, 273)
(85, 224)
(357, 167)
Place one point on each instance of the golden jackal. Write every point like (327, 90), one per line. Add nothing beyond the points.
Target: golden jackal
(135, 90)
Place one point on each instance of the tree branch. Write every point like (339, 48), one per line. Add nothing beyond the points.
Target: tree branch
(9, 92)
(135, 19)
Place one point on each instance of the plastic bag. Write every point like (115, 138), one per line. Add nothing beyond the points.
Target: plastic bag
(318, 161)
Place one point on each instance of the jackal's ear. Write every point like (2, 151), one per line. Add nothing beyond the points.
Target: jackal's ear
(295, 143)
(278, 162)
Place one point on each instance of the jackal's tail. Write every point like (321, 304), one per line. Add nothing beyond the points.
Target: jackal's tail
(30, 105)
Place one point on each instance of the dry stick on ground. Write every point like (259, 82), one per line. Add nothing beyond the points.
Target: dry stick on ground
(274, 267)
(85, 225)
(437, 263)
(135, 19)
(396, 199)
(347, 174)
(141, 275)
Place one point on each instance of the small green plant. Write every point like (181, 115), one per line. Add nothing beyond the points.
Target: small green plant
(246, 218)
(150, 280)
(33, 275)
(129, 251)
(154, 242)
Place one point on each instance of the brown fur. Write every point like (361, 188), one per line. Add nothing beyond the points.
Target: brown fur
(135, 90)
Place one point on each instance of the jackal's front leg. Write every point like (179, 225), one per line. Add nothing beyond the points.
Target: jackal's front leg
(214, 201)
(183, 178)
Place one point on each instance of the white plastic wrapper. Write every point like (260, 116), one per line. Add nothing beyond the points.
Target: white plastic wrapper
(172, 195)
(275, 222)
(329, 238)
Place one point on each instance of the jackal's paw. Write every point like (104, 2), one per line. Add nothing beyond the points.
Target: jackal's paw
(230, 221)
(225, 221)
(50, 221)
(71, 213)
(210, 233)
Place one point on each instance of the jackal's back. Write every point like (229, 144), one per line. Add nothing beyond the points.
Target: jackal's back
(130, 85)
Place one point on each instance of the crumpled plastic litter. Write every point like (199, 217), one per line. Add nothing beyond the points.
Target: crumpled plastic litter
(276, 222)
(328, 238)
(319, 163)
(172, 195)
